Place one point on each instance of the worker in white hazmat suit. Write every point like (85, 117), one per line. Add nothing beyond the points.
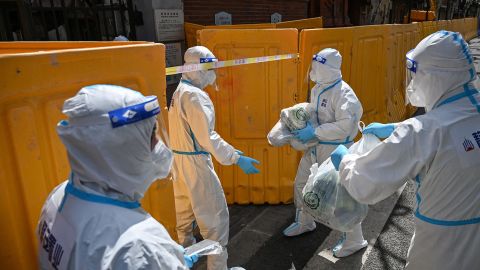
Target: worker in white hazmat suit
(94, 220)
(199, 197)
(439, 150)
(338, 112)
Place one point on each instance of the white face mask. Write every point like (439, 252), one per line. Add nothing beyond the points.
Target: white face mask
(162, 159)
(210, 77)
(414, 96)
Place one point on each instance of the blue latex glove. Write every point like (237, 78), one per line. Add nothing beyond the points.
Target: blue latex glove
(245, 163)
(190, 260)
(382, 131)
(337, 155)
(306, 134)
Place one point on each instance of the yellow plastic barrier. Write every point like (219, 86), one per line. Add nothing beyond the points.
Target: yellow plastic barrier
(191, 33)
(428, 28)
(33, 160)
(314, 40)
(302, 24)
(247, 107)
(403, 39)
(28, 46)
(191, 28)
(366, 53)
(442, 25)
(471, 28)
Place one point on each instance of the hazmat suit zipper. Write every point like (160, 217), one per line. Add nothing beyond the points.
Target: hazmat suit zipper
(347, 140)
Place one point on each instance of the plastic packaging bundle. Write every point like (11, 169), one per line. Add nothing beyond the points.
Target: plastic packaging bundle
(204, 248)
(327, 200)
(295, 117)
(292, 118)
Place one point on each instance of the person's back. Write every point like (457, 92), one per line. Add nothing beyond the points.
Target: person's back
(94, 220)
(106, 236)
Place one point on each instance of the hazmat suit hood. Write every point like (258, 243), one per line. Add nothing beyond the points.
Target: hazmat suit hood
(201, 78)
(108, 137)
(438, 66)
(326, 67)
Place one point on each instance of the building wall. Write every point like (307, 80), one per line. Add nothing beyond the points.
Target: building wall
(244, 11)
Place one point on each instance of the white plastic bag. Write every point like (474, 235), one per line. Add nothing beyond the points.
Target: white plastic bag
(280, 136)
(327, 201)
(295, 117)
(204, 248)
(291, 118)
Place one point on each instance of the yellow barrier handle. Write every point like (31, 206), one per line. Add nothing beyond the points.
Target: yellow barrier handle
(228, 63)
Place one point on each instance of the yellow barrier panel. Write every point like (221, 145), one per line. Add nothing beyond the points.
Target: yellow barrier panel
(191, 28)
(191, 33)
(442, 25)
(368, 70)
(302, 24)
(243, 26)
(248, 105)
(471, 26)
(29, 46)
(364, 50)
(314, 40)
(403, 39)
(33, 161)
(428, 28)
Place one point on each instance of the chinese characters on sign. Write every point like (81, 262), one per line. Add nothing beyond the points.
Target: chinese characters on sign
(169, 24)
(223, 18)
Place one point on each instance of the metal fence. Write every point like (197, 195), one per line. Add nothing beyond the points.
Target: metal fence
(80, 19)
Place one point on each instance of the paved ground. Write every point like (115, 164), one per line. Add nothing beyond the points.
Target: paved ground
(257, 242)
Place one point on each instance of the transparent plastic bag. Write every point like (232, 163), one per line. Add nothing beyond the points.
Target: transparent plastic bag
(280, 136)
(295, 117)
(291, 118)
(204, 248)
(327, 201)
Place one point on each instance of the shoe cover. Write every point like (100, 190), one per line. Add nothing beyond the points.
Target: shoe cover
(346, 247)
(297, 228)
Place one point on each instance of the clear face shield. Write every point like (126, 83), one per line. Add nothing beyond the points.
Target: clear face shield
(311, 76)
(411, 70)
(210, 74)
(159, 141)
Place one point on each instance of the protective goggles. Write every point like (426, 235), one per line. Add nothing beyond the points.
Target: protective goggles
(134, 113)
(208, 60)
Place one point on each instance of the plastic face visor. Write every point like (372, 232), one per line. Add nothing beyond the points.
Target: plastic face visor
(134, 113)
(410, 71)
(208, 60)
(319, 59)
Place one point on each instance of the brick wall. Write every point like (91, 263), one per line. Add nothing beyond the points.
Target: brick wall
(244, 11)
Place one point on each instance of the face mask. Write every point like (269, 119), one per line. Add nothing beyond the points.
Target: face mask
(312, 76)
(162, 159)
(414, 96)
(210, 77)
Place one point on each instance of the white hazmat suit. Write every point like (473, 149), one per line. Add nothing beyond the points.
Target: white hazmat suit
(338, 112)
(94, 220)
(440, 150)
(199, 196)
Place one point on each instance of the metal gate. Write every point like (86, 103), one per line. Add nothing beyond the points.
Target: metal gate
(100, 20)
